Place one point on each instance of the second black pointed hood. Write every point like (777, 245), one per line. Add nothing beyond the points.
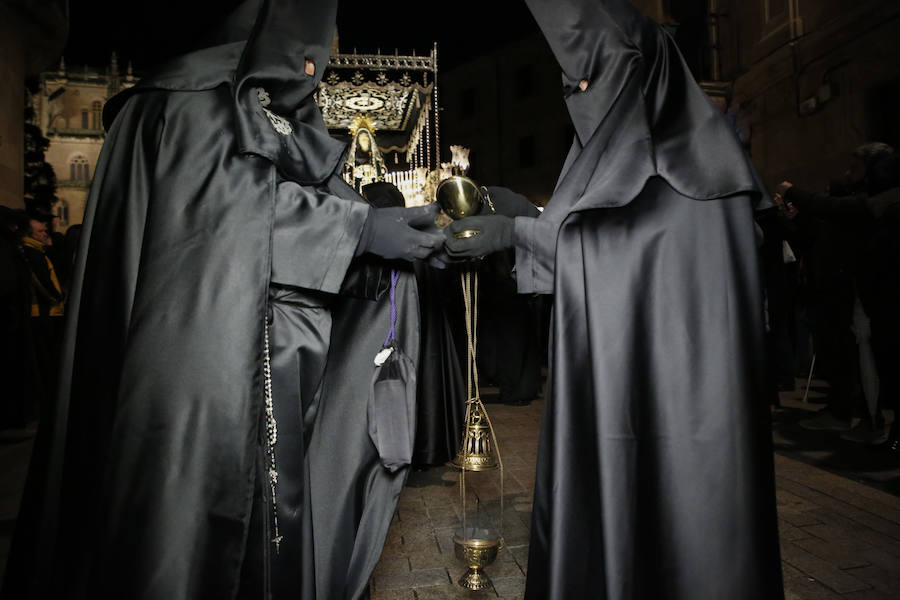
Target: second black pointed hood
(642, 113)
(593, 41)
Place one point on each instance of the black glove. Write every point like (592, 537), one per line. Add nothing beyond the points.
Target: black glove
(395, 232)
(440, 259)
(495, 232)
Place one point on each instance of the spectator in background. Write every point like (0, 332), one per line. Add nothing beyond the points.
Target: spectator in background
(17, 353)
(47, 305)
(779, 272)
(861, 307)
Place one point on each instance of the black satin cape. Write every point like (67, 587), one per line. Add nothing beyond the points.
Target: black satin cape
(655, 472)
(142, 480)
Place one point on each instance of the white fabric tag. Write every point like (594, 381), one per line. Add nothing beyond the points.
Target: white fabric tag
(383, 355)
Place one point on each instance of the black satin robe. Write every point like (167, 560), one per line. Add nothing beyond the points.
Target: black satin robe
(655, 472)
(441, 393)
(144, 479)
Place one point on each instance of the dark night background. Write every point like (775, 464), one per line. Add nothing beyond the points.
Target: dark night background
(148, 32)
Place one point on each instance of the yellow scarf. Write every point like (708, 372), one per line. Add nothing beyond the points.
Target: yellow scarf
(56, 309)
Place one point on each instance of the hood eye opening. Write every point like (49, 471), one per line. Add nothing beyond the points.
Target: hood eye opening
(570, 88)
(310, 68)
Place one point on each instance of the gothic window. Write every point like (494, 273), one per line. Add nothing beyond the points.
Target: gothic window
(84, 119)
(97, 112)
(61, 210)
(79, 168)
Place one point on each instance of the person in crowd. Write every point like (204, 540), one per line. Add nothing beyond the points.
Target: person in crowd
(780, 277)
(211, 437)
(862, 311)
(655, 470)
(47, 308)
(18, 361)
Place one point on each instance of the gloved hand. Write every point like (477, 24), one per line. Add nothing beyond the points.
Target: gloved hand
(396, 232)
(495, 232)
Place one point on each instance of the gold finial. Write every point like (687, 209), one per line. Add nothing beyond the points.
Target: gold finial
(361, 122)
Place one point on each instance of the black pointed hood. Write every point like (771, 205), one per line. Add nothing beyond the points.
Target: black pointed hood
(642, 113)
(596, 41)
(260, 51)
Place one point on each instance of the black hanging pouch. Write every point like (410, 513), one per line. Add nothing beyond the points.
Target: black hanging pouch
(392, 398)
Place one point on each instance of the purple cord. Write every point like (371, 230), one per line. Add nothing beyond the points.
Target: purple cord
(395, 277)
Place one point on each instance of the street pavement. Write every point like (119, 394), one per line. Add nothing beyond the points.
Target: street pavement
(839, 525)
(838, 507)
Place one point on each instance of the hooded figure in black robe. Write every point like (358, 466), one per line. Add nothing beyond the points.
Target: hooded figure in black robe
(655, 470)
(441, 387)
(226, 277)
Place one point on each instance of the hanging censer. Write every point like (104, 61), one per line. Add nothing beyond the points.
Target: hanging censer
(476, 543)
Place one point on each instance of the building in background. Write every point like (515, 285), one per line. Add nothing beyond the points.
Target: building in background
(69, 110)
(507, 108)
(812, 80)
(32, 35)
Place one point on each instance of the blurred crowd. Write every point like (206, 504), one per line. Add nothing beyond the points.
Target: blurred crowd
(831, 261)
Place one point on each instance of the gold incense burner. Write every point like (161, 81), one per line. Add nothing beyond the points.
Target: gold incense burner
(476, 453)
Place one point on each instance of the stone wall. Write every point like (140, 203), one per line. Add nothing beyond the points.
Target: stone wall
(814, 82)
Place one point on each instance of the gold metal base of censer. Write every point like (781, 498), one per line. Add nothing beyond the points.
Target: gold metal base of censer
(476, 554)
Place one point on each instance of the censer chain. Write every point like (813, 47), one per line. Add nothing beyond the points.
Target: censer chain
(469, 282)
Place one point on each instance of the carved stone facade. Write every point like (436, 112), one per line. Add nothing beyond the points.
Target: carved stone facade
(69, 109)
